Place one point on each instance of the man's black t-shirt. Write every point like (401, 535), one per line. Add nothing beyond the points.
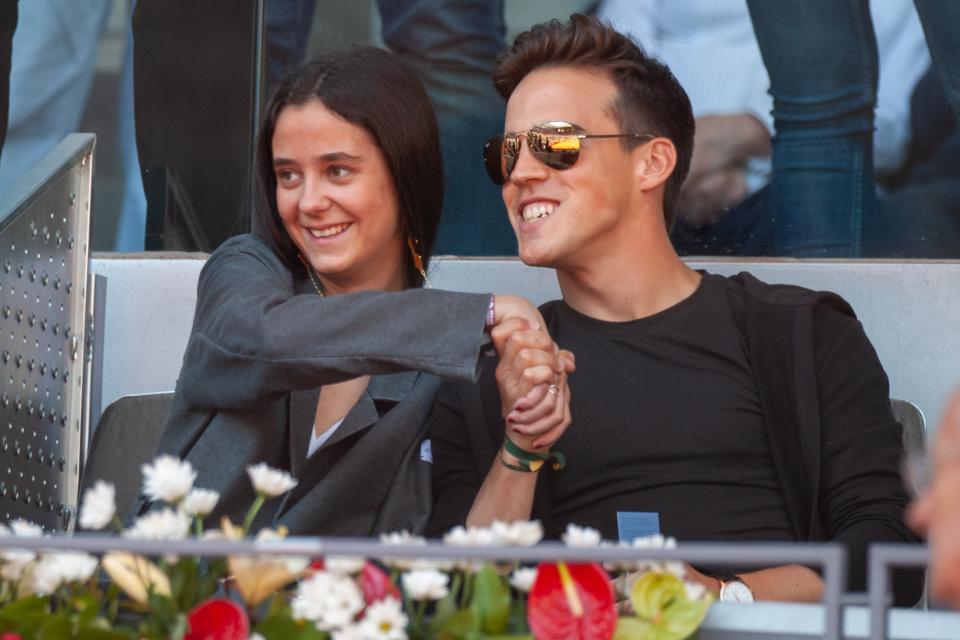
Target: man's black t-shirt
(666, 420)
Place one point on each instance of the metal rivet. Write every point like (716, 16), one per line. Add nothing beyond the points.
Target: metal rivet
(6, 311)
(30, 364)
(6, 401)
(20, 271)
(19, 315)
(43, 368)
(61, 464)
(29, 453)
(33, 275)
(16, 448)
(43, 324)
(56, 283)
(53, 418)
(73, 196)
(19, 360)
(63, 420)
(66, 332)
(32, 320)
(6, 356)
(18, 405)
(7, 266)
(55, 373)
(56, 329)
(44, 279)
(70, 243)
(69, 287)
(66, 376)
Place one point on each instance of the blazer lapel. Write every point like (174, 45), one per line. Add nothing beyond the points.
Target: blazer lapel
(303, 409)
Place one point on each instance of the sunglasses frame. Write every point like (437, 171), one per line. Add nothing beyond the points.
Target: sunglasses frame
(499, 164)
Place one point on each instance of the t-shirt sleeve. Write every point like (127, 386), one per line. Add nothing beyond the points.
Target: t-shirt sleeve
(254, 338)
(862, 496)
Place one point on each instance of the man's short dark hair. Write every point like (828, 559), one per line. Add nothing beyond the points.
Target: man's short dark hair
(649, 100)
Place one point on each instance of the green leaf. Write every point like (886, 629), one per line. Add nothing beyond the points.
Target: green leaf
(284, 627)
(29, 606)
(463, 624)
(491, 601)
(632, 629)
(683, 617)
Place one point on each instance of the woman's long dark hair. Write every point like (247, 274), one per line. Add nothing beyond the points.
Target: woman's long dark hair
(370, 88)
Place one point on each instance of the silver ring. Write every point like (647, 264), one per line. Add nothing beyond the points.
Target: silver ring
(553, 390)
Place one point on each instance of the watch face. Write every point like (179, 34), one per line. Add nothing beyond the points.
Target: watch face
(736, 591)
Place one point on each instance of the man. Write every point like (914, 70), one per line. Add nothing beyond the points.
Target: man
(716, 408)
(937, 513)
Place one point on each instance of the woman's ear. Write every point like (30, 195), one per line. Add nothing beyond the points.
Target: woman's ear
(655, 162)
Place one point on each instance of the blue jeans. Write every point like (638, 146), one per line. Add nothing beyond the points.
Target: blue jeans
(821, 56)
(451, 45)
(940, 20)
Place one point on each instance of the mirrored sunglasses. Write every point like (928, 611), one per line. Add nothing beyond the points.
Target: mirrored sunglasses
(555, 144)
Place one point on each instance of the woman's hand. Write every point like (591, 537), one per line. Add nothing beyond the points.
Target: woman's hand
(506, 307)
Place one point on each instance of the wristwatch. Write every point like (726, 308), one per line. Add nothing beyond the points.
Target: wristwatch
(733, 589)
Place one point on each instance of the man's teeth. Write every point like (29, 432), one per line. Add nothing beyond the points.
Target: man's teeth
(537, 211)
(329, 231)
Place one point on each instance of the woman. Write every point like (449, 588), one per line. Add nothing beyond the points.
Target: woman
(313, 347)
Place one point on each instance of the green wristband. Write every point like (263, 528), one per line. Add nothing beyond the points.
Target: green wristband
(530, 460)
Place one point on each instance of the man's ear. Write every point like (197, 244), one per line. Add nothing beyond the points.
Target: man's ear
(655, 162)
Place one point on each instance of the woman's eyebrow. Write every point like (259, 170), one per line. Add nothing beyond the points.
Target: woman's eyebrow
(333, 156)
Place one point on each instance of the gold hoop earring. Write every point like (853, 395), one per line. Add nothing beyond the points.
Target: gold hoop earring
(418, 261)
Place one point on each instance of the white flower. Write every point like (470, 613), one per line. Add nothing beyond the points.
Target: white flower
(165, 524)
(168, 479)
(55, 569)
(350, 632)
(294, 564)
(655, 541)
(522, 578)
(17, 562)
(384, 620)
(329, 600)
(344, 565)
(99, 506)
(200, 502)
(469, 537)
(256, 636)
(402, 538)
(270, 482)
(425, 584)
(694, 591)
(522, 533)
(581, 536)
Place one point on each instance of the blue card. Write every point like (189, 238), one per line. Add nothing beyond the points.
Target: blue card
(637, 524)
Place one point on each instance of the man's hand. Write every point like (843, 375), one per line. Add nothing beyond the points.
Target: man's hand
(937, 513)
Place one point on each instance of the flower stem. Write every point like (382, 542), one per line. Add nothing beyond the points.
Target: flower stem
(198, 526)
(252, 513)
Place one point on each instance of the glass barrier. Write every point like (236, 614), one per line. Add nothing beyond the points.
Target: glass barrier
(173, 90)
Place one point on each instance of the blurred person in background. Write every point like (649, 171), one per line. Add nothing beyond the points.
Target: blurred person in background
(936, 514)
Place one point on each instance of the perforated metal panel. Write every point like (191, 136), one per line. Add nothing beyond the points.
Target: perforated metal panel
(44, 258)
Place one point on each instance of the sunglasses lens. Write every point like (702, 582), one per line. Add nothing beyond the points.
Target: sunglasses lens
(556, 150)
(493, 160)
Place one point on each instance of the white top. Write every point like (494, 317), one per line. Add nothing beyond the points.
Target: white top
(317, 441)
(711, 49)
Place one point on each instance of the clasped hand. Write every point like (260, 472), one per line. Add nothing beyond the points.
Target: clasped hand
(531, 376)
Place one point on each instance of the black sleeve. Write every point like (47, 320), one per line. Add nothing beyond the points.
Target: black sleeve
(254, 338)
(456, 478)
(862, 496)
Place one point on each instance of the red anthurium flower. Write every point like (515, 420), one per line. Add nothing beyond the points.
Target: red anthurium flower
(572, 602)
(9, 636)
(376, 584)
(317, 565)
(218, 619)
